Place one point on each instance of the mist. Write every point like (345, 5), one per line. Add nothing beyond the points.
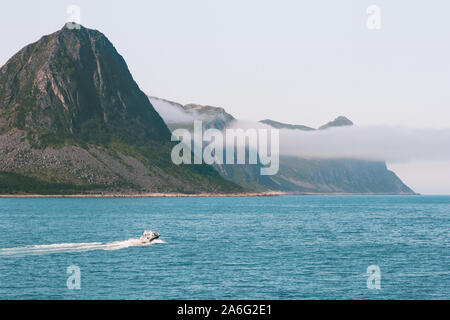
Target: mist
(171, 112)
(381, 143)
(420, 156)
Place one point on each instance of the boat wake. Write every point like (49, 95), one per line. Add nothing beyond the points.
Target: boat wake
(75, 247)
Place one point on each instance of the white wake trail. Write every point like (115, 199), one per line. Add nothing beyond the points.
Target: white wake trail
(75, 247)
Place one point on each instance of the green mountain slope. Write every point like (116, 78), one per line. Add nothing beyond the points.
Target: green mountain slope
(72, 119)
(319, 176)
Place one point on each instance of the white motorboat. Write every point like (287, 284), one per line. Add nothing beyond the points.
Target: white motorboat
(149, 236)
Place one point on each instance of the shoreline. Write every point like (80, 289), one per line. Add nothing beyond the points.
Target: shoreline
(196, 195)
(152, 195)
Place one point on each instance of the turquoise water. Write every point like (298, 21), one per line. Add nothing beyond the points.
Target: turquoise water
(292, 247)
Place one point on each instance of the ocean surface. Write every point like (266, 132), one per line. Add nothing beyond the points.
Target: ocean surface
(290, 247)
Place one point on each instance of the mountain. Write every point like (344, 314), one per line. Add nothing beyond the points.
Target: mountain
(281, 125)
(177, 115)
(72, 119)
(299, 175)
(319, 176)
(338, 122)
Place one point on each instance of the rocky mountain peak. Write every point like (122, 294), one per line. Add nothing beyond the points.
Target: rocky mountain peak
(74, 84)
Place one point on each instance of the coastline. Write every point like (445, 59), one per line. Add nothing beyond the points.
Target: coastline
(197, 195)
(153, 195)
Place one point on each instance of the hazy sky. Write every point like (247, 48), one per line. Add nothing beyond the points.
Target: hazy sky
(296, 61)
(302, 62)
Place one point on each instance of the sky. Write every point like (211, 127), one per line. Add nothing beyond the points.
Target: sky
(300, 62)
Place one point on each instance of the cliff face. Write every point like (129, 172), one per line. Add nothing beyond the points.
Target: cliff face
(72, 116)
(319, 176)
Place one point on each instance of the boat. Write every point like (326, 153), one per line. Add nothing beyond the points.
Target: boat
(149, 236)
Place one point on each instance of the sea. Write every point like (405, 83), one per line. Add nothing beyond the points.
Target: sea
(287, 247)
